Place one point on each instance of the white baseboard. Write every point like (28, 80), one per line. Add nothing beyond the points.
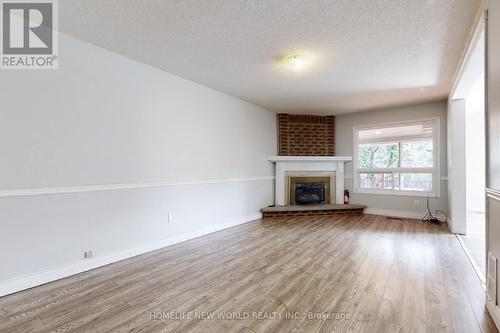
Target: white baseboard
(401, 214)
(33, 280)
(479, 274)
(494, 312)
(394, 213)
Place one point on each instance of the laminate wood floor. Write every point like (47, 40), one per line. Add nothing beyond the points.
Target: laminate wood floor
(303, 274)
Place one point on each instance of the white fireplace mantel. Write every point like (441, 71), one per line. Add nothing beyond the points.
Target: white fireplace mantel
(308, 164)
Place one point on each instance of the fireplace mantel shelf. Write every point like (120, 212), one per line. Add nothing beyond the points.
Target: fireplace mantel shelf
(309, 158)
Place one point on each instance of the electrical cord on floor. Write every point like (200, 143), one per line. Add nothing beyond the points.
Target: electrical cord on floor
(430, 218)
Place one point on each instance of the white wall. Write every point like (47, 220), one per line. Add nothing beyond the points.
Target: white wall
(492, 151)
(104, 119)
(392, 204)
(457, 162)
(475, 147)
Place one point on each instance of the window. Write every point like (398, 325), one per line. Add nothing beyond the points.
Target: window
(397, 159)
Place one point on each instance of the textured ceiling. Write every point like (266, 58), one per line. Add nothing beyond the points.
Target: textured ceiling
(367, 53)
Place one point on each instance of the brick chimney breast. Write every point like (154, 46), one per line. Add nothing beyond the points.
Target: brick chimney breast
(306, 135)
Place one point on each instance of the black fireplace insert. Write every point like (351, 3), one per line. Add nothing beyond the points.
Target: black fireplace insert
(309, 193)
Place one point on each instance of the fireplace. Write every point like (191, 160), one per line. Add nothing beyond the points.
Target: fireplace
(309, 166)
(307, 194)
(309, 190)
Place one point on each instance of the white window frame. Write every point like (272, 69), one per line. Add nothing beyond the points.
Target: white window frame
(435, 170)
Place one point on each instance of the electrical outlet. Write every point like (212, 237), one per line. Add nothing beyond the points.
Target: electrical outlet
(169, 217)
(416, 203)
(88, 254)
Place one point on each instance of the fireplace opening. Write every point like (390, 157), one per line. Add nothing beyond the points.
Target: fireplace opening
(308, 190)
(310, 193)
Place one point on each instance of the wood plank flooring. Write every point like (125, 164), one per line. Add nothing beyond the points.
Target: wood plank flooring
(304, 274)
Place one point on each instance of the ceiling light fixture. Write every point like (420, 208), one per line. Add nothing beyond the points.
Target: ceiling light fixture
(296, 62)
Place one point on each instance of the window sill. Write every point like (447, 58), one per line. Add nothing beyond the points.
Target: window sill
(398, 193)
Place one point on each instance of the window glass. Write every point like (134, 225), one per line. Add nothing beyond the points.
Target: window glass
(378, 155)
(371, 180)
(376, 181)
(417, 154)
(421, 182)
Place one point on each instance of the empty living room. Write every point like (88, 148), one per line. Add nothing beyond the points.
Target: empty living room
(249, 166)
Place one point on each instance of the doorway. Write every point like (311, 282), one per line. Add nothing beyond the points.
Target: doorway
(468, 160)
(475, 238)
